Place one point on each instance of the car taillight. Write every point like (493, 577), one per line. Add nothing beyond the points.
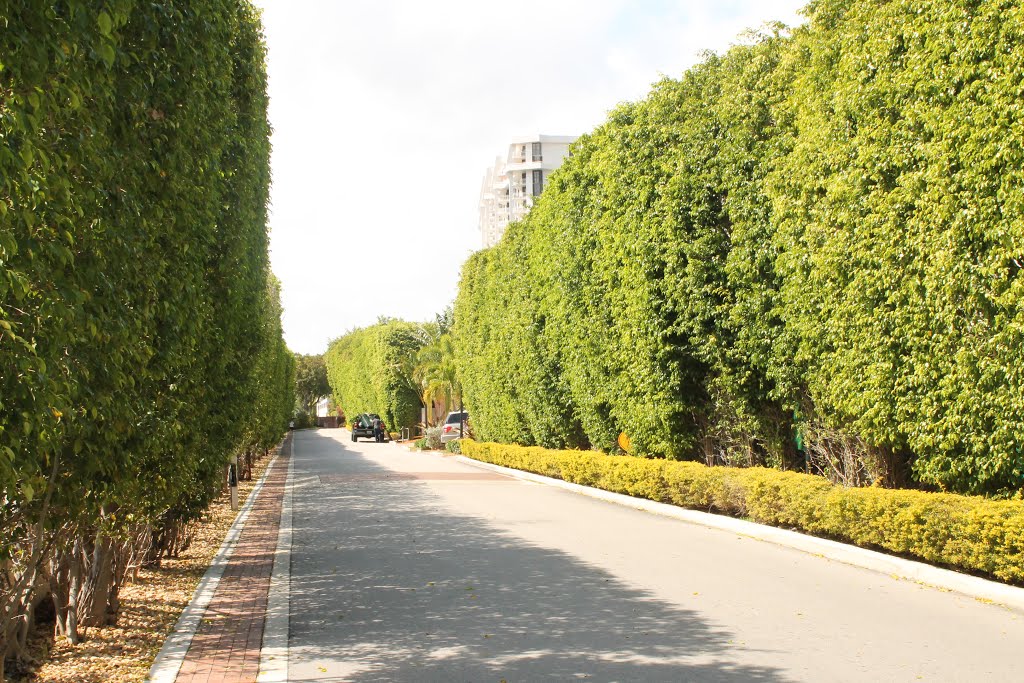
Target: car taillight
(447, 428)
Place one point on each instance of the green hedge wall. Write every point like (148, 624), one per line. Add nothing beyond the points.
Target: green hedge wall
(616, 299)
(901, 208)
(962, 532)
(140, 337)
(370, 371)
(804, 252)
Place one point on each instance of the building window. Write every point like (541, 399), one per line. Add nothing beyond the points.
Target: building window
(538, 182)
(536, 152)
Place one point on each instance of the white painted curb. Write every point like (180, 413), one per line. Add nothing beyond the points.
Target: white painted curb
(972, 586)
(274, 652)
(169, 660)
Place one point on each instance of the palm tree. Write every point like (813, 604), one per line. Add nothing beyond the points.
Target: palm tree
(435, 374)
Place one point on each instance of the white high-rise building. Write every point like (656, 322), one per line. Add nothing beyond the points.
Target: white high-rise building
(510, 186)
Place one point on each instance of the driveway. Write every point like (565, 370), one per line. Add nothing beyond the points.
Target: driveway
(414, 567)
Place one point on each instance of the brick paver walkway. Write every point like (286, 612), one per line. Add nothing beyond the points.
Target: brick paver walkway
(226, 646)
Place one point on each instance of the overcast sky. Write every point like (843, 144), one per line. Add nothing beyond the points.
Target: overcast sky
(387, 113)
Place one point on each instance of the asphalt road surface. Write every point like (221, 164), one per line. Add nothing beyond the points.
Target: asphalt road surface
(415, 567)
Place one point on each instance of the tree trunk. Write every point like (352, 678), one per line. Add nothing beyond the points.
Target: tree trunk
(66, 586)
(101, 580)
(21, 579)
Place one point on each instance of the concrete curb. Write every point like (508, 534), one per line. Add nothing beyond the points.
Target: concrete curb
(169, 660)
(274, 652)
(984, 590)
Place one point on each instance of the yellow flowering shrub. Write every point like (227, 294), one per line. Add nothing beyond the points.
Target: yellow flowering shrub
(968, 533)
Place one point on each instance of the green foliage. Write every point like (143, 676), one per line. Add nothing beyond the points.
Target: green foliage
(310, 381)
(900, 215)
(613, 306)
(304, 420)
(961, 532)
(805, 252)
(435, 373)
(511, 382)
(370, 371)
(454, 446)
(139, 325)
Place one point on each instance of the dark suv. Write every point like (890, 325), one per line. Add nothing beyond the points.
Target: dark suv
(369, 426)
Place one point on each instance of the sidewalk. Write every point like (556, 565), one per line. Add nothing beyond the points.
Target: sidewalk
(226, 645)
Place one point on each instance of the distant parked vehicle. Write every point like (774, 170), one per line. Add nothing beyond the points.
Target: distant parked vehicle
(453, 425)
(369, 426)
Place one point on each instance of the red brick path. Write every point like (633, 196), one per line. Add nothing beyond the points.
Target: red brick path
(226, 646)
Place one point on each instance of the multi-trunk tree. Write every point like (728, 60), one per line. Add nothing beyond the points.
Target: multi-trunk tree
(310, 382)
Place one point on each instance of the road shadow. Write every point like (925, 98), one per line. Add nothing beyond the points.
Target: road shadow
(396, 587)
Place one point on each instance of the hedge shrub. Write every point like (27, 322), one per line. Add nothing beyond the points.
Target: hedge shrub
(610, 308)
(961, 532)
(900, 216)
(370, 370)
(805, 251)
(140, 337)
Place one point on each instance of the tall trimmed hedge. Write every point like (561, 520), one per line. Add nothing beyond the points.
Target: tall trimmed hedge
(805, 252)
(901, 208)
(612, 304)
(140, 339)
(370, 371)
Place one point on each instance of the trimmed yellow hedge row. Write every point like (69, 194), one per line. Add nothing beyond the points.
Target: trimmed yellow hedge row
(962, 532)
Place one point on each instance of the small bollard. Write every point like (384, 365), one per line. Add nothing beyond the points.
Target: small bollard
(233, 481)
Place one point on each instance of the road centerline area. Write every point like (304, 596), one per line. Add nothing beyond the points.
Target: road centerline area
(411, 476)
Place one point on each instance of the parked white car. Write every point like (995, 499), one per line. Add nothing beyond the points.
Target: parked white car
(452, 428)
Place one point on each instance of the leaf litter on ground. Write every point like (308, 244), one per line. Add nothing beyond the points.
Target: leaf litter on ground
(150, 606)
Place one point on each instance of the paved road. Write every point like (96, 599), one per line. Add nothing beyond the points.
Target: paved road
(414, 567)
